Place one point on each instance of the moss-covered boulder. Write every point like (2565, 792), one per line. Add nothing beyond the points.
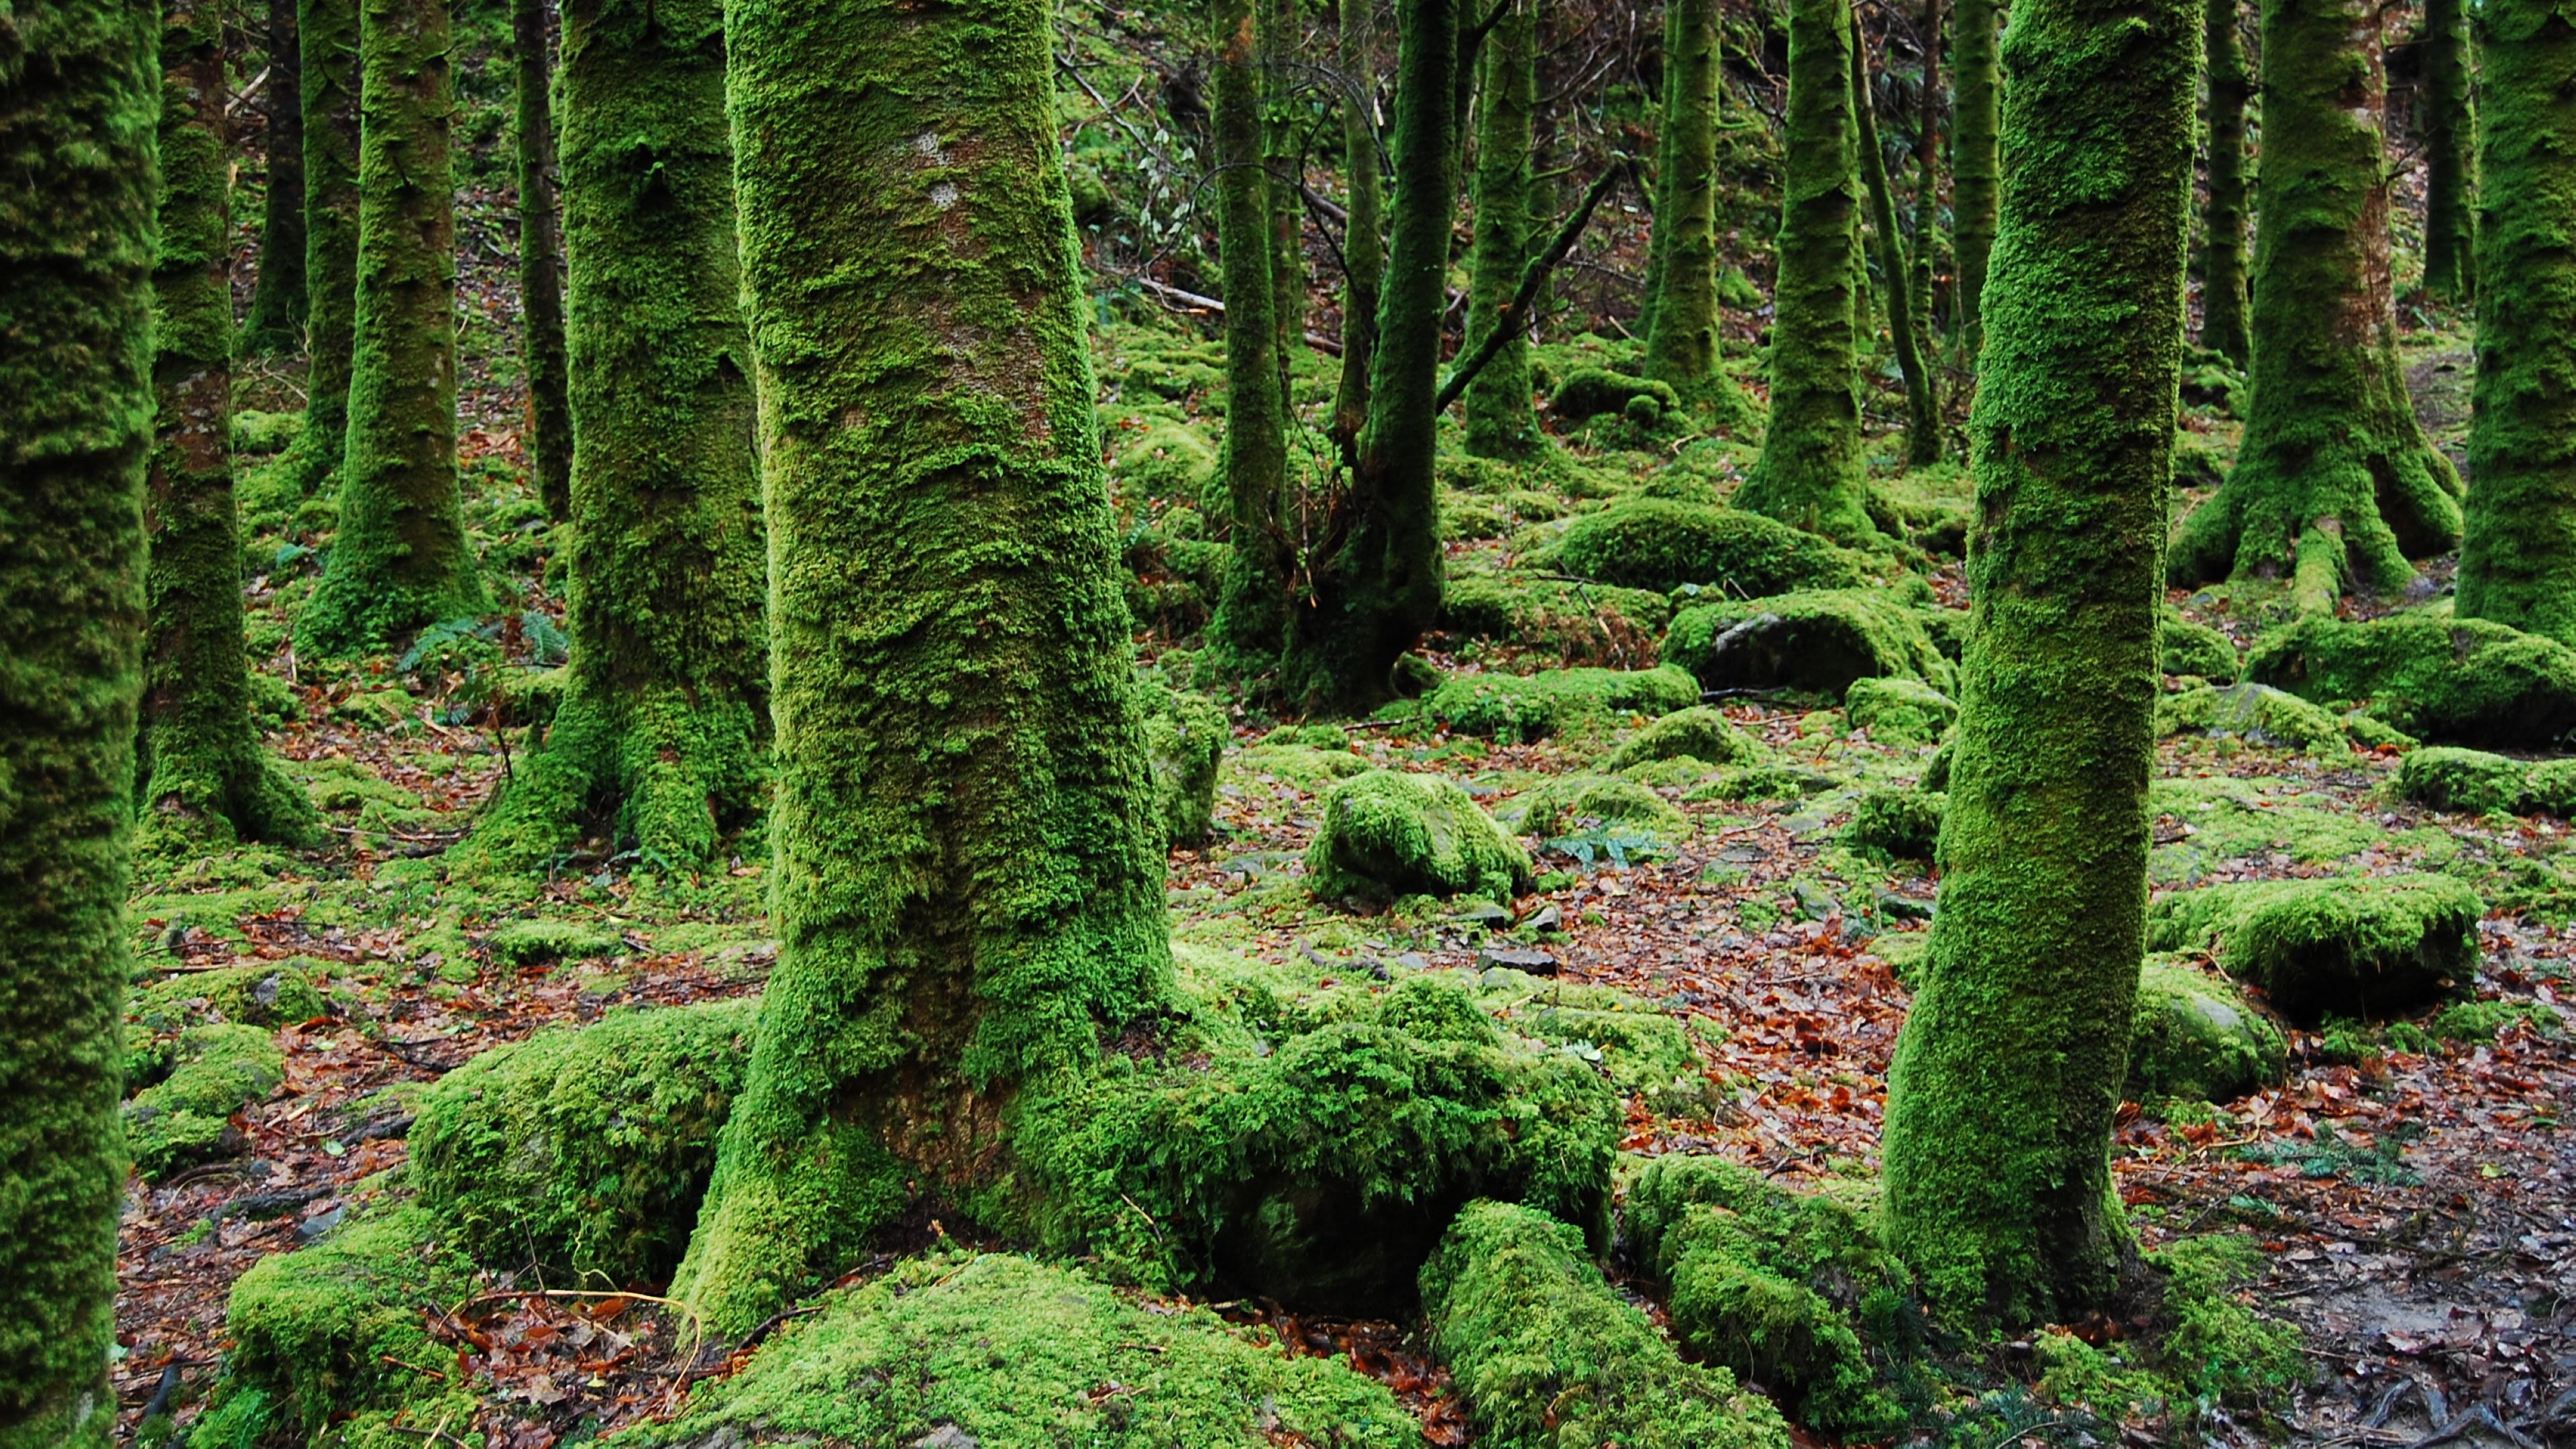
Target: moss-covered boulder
(1570, 804)
(1763, 782)
(1899, 711)
(1525, 707)
(538, 942)
(1662, 544)
(2346, 946)
(1700, 732)
(1185, 737)
(1548, 1356)
(1821, 640)
(585, 1150)
(1385, 834)
(1590, 392)
(210, 1072)
(2255, 713)
(2550, 787)
(2197, 1037)
(1578, 620)
(2452, 681)
(1905, 824)
(2184, 647)
(2448, 777)
(255, 993)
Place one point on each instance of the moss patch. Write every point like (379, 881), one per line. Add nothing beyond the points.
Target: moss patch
(2447, 777)
(1570, 803)
(257, 993)
(1905, 824)
(2253, 712)
(535, 942)
(2454, 681)
(1659, 544)
(2353, 946)
(1899, 711)
(1386, 834)
(1533, 707)
(214, 1072)
(1822, 641)
(2196, 1037)
(2187, 648)
(1697, 733)
(1185, 736)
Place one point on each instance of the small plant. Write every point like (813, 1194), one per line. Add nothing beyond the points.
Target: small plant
(2380, 1164)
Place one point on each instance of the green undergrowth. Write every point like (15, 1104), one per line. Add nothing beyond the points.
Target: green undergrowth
(1698, 732)
(2223, 824)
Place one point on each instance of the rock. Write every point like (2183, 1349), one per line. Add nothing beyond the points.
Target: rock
(2256, 713)
(2196, 650)
(1821, 640)
(2447, 777)
(2349, 946)
(1532, 707)
(1899, 711)
(1661, 544)
(1903, 823)
(1518, 958)
(2451, 681)
(1698, 733)
(2197, 1037)
(1386, 834)
(208, 1074)
(1572, 803)
(1185, 737)
(1588, 392)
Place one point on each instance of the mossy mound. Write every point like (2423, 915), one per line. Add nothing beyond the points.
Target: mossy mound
(1299, 767)
(1899, 711)
(2256, 713)
(1163, 459)
(1763, 782)
(1572, 803)
(2350, 946)
(1322, 1173)
(2187, 648)
(2550, 787)
(1547, 1355)
(1821, 640)
(1660, 544)
(2452, 681)
(2447, 777)
(1580, 621)
(994, 1350)
(1905, 824)
(212, 1072)
(256, 993)
(1185, 737)
(1700, 732)
(1386, 834)
(537, 942)
(1526, 707)
(585, 1151)
(1590, 392)
(2197, 1037)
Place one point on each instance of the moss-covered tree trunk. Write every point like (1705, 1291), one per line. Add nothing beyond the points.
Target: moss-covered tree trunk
(1500, 421)
(662, 726)
(1277, 35)
(2450, 129)
(399, 560)
(1927, 197)
(1922, 419)
(326, 33)
(2225, 327)
(2518, 561)
(1659, 234)
(1375, 574)
(1974, 160)
(967, 892)
(2009, 1068)
(1809, 473)
(79, 94)
(1363, 246)
(2335, 483)
(201, 766)
(1252, 609)
(276, 320)
(1681, 330)
(542, 347)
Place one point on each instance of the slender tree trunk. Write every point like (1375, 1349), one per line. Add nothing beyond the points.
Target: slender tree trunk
(2518, 561)
(2450, 129)
(2008, 1072)
(1680, 16)
(327, 37)
(1809, 473)
(1974, 162)
(1927, 202)
(1922, 420)
(276, 320)
(2335, 481)
(400, 560)
(541, 300)
(2225, 327)
(79, 91)
(1363, 249)
(1376, 574)
(201, 761)
(1500, 422)
(1276, 35)
(1681, 337)
(966, 892)
(1251, 614)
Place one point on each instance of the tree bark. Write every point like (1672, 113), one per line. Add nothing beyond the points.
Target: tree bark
(1922, 420)
(277, 307)
(2225, 327)
(1252, 609)
(1681, 333)
(1363, 246)
(1276, 34)
(541, 290)
(2450, 129)
(326, 33)
(1974, 161)
(1500, 420)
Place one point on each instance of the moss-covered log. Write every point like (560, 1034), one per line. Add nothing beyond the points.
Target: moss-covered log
(2225, 327)
(1500, 421)
(326, 33)
(276, 319)
(2336, 484)
(1922, 418)
(79, 95)
(2449, 127)
(1975, 159)
(201, 764)
(661, 729)
(2009, 1068)
(968, 886)
(2518, 558)
(1681, 311)
(1252, 609)
(542, 346)
(399, 560)
(1363, 247)
(1809, 473)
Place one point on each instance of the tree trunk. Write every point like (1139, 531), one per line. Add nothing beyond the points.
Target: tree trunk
(1500, 422)
(2450, 128)
(1276, 36)
(78, 96)
(201, 761)
(2224, 327)
(2009, 1068)
(966, 892)
(326, 33)
(541, 300)
(1251, 614)
(1974, 161)
(1363, 249)
(2335, 480)
(1681, 333)
(400, 560)
(276, 320)
(1809, 473)
(1927, 200)
(2518, 562)
(1376, 573)
(1922, 420)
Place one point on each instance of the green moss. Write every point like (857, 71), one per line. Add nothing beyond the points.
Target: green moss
(2448, 778)
(2196, 1037)
(1821, 640)
(2479, 1021)
(542, 344)
(2218, 1346)
(1899, 711)
(2550, 787)
(327, 44)
(1250, 614)
(267, 994)
(2456, 681)
(1386, 834)
(2225, 328)
(1573, 620)
(1164, 459)
(2187, 648)
(1533, 707)
(1659, 544)
(1301, 768)
(2253, 712)
(536, 942)
(1700, 732)
(1763, 782)
(1571, 803)
(1499, 420)
(1905, 824)
(2351, 946)
(1591, 392)
(1548, 1357)
(1185, 736)
(214, 1072)
(1682, 336)
(1929, 506)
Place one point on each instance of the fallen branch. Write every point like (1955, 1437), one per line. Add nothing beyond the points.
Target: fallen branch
(1509, 324)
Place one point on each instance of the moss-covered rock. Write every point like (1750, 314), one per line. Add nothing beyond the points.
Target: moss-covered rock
(213, 1072)
(2350, 946)
(1902, 823)
(1547, 1356)
(1590, 392)
(1386, 834)
(537, 942)
(1185, 737)
(1300, 767)
(1167, 460)
(1580, 621)
(2188, 648)
(2447, 777)
(1534, 706)
(1660, 544)
(1763, 782)
(256, 993)
(2453, 681)
(2550, 787)
(2197, 1037)
(2254, 712)
(1700, 732)
(1899, 711)
(1821, 640)
(1571, 803)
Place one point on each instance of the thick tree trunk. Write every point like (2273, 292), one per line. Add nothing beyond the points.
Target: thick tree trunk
(1681, 333)
(541, 300)
(967, 892)
(1500, 421)
(1251, 614)
(1974, 161)
(1809, 473)
(2450, 129)
(2008, 1072)
(79, 91)
(2224, 325)
(2335, 482)
(1363, 247)
(326, 33)
(1922, 420)
(2518, 561)
(400, 560)
(276, 320)
(201, 764)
